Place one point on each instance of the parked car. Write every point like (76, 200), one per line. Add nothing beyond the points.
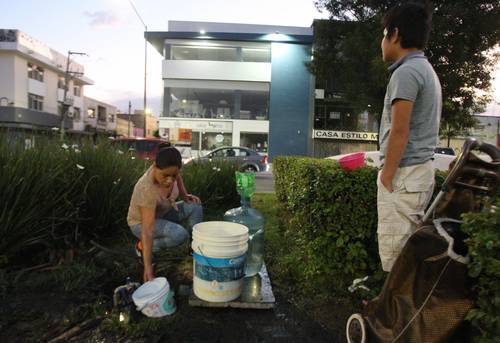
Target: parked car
(247, 159)
(440, 161)
(146, 148)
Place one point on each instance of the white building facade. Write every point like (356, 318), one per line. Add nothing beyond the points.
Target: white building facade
(32, 86)
(218, 81)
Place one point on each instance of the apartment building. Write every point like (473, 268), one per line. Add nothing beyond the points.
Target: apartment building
(35, 89)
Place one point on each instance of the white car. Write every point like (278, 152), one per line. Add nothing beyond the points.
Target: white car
(372, 158)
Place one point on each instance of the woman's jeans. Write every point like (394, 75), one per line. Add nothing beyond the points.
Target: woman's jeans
(168, 233)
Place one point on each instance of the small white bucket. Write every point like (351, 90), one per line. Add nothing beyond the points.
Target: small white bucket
(155, 298)
(219, 250)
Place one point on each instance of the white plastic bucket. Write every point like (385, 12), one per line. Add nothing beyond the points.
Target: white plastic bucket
(155, 298)
(219, 250)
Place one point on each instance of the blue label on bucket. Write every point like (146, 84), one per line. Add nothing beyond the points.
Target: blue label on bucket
(219, 269)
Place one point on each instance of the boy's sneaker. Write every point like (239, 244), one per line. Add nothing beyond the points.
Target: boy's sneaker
(138, 249)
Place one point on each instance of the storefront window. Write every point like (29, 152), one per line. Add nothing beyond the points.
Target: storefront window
(201, 103)
(213, 140)
(254, 141)
(204, 53)
(256, 55)
(218, 104)
(254, 105)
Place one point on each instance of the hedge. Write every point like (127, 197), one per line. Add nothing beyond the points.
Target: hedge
(332, 222)
(483, 230)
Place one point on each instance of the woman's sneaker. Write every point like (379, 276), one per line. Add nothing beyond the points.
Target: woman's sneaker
(138, 249)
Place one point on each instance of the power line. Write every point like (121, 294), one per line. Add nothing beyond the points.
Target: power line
(137, 12)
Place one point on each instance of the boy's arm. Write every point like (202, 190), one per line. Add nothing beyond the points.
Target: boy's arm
(398, 138)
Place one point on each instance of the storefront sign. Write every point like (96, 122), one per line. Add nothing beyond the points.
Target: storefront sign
(346, 135)
(198, 125)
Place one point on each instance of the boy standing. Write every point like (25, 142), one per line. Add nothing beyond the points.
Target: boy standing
(409, 129)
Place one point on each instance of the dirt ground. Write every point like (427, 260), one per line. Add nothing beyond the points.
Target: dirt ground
(39, 311)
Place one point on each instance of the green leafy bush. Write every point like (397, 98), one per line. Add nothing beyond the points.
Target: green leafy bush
(333, 221)
(484, 249)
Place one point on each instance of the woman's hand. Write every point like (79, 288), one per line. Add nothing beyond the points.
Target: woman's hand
(189, 198)
(148, 273)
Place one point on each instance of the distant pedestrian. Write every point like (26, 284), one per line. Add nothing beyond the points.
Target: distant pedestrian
(409, 129)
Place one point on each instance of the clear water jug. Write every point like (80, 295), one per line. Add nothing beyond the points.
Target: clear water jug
(251, 218)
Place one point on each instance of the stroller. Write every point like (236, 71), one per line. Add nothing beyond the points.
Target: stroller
(428, 293)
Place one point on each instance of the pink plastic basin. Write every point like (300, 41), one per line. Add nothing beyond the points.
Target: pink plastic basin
(353, 161)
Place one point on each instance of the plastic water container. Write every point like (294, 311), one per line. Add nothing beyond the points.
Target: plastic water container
(254, 220)
(219, 250)
(353, 161)
(155, 298)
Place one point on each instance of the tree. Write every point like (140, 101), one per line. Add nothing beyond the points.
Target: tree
(464, 34)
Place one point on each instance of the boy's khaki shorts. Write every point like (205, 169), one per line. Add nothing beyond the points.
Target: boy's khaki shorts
(401, 211)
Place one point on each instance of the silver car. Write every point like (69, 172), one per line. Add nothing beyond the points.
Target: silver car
(247, 159)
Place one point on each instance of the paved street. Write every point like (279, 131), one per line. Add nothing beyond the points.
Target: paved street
(264, 182)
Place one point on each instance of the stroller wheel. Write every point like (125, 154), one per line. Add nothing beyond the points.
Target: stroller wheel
(355, 329)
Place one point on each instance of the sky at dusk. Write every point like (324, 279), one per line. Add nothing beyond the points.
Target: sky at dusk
(111, 34)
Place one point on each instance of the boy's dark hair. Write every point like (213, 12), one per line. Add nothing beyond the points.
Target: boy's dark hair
(413, 21)
(168, 157)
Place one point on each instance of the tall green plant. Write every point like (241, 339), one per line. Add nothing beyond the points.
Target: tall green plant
(484, 249)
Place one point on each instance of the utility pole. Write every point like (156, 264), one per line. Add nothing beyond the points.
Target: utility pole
(145, 77)
(66, 104)
(129, 107)
(145, 62)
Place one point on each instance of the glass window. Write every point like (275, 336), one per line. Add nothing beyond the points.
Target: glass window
(214, 140)
(76, 113)
(61, 81)
(204, 53)
(217, 103)
(77, 91)
(195, 140)
(254, 105)
(35, 102)
(91, 113)
(201, 103)
(254, 141)
(256, 55)
(35, 72)
(101, 113)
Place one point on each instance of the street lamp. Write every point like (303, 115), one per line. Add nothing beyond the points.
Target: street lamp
(66, 103)
(145, 61)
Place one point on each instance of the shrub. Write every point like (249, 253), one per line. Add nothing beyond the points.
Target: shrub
(484, 249)
(214, 183)
(333, 221)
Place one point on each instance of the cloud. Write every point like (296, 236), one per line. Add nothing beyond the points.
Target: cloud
(103, 19)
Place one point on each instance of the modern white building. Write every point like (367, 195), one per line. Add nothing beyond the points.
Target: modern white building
(237, 84)
(32, 86)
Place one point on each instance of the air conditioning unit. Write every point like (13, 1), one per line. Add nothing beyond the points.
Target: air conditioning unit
(69, 101)
(69, 114)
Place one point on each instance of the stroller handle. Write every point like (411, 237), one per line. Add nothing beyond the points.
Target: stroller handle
(469, 145)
